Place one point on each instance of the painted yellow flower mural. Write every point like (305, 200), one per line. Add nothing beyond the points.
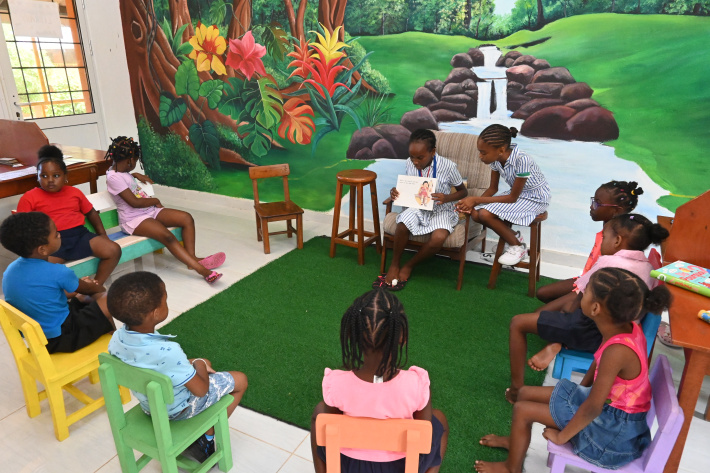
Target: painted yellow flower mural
(328, 45)
(207, 48)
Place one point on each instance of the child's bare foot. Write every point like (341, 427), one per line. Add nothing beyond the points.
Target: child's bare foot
(542, 359)
(495, 441)
(404, 273)
(511, 395)
(491, 467)
(392, 274)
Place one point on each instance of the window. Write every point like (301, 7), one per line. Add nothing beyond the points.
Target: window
(50, 74)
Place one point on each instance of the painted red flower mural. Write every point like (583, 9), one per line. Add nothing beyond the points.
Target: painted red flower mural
(245, 55)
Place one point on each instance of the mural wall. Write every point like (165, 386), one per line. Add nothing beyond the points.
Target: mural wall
(600, 90)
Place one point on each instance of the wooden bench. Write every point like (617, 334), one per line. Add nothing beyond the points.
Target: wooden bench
(132, 246)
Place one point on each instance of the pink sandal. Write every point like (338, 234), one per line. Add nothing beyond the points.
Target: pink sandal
(664, 335)
(213, 261)
(213, 277)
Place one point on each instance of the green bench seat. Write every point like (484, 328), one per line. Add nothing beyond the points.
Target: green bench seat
(132, 247)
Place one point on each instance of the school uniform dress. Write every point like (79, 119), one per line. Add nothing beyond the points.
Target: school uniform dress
(620, 433)
(535, 197)
(423, 222)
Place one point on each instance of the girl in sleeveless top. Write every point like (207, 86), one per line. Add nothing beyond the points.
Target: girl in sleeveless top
(604, 417)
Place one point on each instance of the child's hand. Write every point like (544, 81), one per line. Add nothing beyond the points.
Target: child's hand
(394, 193)
(552, 435)
(439, 198)
(89, 280)
(466, 204)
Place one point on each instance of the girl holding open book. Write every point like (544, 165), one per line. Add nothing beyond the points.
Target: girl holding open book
(438, 223)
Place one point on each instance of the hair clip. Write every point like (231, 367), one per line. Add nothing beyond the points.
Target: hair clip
(631, 217)
(632, 192)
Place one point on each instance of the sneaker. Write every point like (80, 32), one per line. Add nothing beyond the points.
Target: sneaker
(490, 257)
(513, 255)
(201, 449)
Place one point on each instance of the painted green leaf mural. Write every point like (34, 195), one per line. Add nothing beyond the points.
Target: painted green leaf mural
(187, 81)
(231, 102)
(276, 41)
(263, 102)
(171, 109)
(205, 138)
(257, 138)
(212, 91)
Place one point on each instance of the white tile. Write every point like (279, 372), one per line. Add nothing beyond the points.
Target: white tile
(304, 450)
(279, 434)
(10, 387)
(253, 455)
(297, 465)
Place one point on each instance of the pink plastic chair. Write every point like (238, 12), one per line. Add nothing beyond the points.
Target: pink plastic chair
(664, 407)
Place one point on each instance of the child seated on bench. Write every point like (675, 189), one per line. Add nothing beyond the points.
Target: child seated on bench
(140, 301)
(145, 216)
(68, 208)
(39, 288)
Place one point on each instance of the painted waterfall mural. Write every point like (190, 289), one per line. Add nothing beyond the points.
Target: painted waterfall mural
(600, 90)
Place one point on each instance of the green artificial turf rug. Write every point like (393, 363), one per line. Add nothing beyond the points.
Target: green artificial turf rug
(281, 326)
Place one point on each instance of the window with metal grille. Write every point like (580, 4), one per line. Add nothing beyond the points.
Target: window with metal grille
(50, 73)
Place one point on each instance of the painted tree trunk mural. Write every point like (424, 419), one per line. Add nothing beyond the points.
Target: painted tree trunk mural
(241, 18)
(296, 20)
(331, 14)
(153, 66)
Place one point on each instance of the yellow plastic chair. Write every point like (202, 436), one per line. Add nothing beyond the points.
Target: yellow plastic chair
(56, 372)
(336, 431)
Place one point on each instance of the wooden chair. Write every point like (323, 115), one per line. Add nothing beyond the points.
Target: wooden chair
(664, 408)
(275, 211)
(461, 149)
(336, 431)
(56, 372)
(155, 435)
(532, 265)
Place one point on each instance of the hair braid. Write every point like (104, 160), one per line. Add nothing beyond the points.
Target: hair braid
(375, 321)
(424, 136)
(638, 231)
(498, 135)
(123, 148)
(625, 295)
(625, 194)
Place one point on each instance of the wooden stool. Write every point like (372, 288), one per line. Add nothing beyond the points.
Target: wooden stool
(356, 179)
(533, 266)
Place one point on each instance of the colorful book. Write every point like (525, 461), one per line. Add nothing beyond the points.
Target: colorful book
(688, 276)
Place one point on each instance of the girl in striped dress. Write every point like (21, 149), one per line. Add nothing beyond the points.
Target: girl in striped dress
(529, 193)
(439, 222)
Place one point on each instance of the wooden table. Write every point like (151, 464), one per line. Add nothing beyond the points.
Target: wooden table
(78, 173)
(694, 336)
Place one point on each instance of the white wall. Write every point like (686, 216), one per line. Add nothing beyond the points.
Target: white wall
(113, 91)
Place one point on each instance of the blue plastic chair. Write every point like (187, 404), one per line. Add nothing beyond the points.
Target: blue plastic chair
(568, 361)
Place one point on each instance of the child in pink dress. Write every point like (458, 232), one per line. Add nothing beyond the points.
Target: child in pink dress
(604, 417)
(142, 215)
(374, 333)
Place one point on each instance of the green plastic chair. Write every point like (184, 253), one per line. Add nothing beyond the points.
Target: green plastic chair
(154, 435)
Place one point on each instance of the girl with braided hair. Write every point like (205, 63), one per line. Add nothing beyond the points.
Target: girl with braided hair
(142, 215)
(69, 208)
(610, 199)
(529, 193)
(625, 237)
(604, 417)
(374, 333)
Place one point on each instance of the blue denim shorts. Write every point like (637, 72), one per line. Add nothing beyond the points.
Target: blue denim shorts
(610, 441)
(221, 384)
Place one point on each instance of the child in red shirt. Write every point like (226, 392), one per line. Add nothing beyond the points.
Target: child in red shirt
(68, 207)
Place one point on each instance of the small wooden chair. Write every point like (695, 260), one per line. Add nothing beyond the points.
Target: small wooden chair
(57, 372)
(275, 211)
(336, 431)
(533, 265)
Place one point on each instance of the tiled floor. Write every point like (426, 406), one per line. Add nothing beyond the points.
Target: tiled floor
(260, 444)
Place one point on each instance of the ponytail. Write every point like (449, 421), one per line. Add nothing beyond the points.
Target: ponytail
(638, 231)
(657, 300)
(498, 135)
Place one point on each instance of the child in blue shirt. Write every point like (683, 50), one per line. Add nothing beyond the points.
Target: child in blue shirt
(40, 289)
(139, 300)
